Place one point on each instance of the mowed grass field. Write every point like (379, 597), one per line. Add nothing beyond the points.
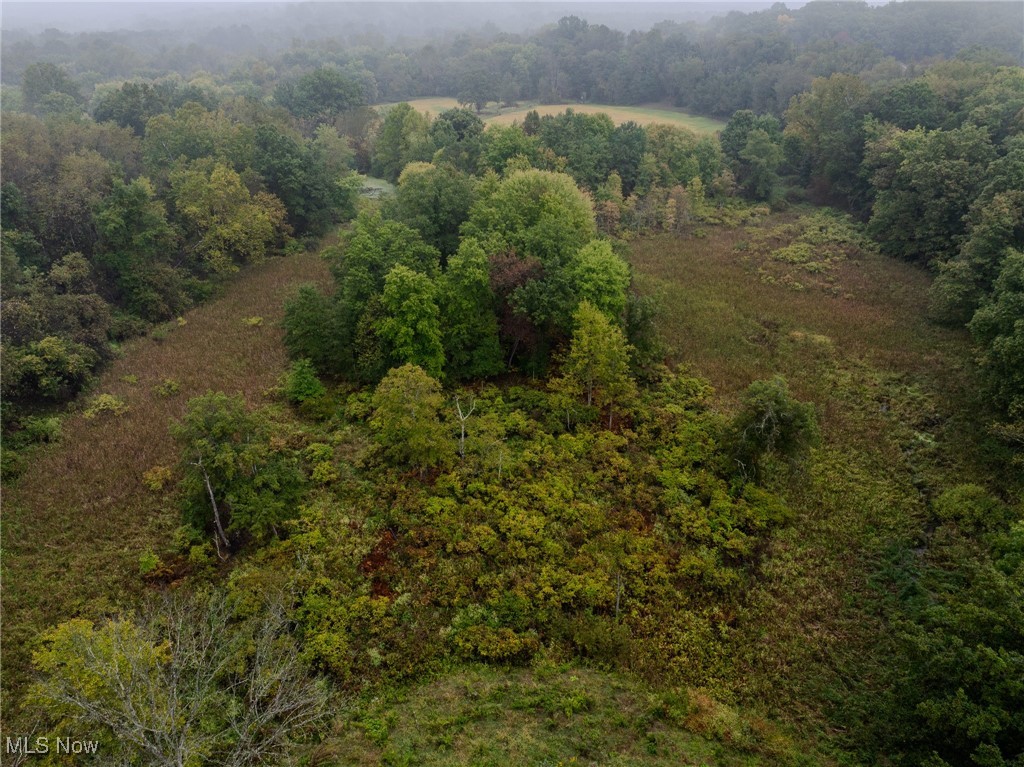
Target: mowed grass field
(643, 115)
(77, 520)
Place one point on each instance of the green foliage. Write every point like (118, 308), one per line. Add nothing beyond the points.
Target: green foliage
(311, 329)
(51, 368)
(771, 422)
(43, 79)
(407, 419)
(404, 137)
(972, 509)
(998, 327)
(468, 323)
(238, 476)
(410, 328)
(136, 244)
(301, 383)
(434, 200)
(598, 275)
(320, 95)
(598, 359)
(828, 122)
(225, 224)
(925, 182)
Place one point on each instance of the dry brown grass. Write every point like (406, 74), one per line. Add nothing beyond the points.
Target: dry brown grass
(76, 522)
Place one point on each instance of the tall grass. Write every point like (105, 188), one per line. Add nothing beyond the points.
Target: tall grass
(77, 520)
(901, 421)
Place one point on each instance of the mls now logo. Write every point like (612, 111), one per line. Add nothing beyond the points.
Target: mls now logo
(44, 745)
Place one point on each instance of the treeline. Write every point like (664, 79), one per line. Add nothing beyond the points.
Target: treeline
(113, 225)
(740, 61)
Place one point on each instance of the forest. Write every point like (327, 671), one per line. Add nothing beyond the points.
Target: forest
(385, 385)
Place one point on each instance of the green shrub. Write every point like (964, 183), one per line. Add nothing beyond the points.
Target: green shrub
(302, 384)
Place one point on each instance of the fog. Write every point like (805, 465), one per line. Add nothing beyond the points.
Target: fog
(316, 20)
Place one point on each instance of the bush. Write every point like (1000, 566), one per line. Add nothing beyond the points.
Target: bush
(771, 422)
(302, 384)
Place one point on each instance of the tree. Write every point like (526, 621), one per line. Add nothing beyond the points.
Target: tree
(457, 134)
(435, 201)
(538, 215)
(225, 224)
(503, 142)
(406, 417)
(312, 330)
(828, 120)
(598, 359)
(404, 137)
(371, 249)
(132, 105)
(925, 182)
(320, 95)
(601, 277)
(585, 141)
(135, 246)
(998, 327)
(469, 326)
(43, 79)
(235, 477)
(758, 165)
(628, 144)
(771, 422)
(411, 328)
(182, 683)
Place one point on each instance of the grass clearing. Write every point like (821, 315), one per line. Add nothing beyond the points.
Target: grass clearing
(647, 114)
(81, 515)
(546, 715)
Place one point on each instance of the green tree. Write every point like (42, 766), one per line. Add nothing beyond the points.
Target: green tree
(468, 323)
(312, 330)
(503, 142)
(225, 224)
(320, 95)
(828, 120)
(598, 275)
(458, 136)
(135, 245)
(407, 407)
(404, 137)
(598, 359)
(43, 79)
(235, 478)
(435, 201)
(925, 182)
(759, 164)
(411, 327)
(771, 422)
(998, 327)
(540, 218)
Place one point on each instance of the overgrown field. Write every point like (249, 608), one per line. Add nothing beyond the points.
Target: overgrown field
(81, 514)
(899, 421)
(642, 115)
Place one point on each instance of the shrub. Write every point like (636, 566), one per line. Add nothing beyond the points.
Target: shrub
(106, 403)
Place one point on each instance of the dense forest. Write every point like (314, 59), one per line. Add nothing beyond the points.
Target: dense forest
(339, 429)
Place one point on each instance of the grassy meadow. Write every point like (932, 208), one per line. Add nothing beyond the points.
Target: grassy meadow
(890, 389)
(642, 115)
(79, 517)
